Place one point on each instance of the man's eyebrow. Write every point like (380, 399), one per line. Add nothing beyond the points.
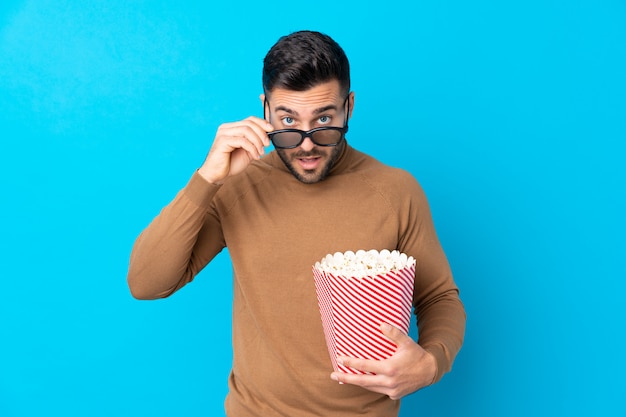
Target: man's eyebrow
(286, 110)
(324, 109)
(319, 110)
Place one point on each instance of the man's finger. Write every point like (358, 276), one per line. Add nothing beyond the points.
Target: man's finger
(261, 127)
(362, 380)
(364, 365)
(394, 334)
(248, 131)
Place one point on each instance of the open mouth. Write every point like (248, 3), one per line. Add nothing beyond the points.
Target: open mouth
(309, 162)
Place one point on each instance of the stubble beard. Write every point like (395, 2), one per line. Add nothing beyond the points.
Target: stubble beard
(310, 177)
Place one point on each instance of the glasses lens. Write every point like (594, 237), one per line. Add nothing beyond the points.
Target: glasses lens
(327, 136)
(286, 139)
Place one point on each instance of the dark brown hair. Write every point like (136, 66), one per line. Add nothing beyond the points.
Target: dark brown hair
(304, 59)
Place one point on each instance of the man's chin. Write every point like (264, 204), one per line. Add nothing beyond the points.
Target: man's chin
(309, 177)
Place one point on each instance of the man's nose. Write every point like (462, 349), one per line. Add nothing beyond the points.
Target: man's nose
(307, 144)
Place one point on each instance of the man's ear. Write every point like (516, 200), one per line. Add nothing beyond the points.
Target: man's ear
(262, 98)
(350, 104)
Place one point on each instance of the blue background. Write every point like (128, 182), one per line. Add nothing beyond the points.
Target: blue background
(512, 115)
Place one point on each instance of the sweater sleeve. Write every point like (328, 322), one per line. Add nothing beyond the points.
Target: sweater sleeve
(439, 311)
(177, 244)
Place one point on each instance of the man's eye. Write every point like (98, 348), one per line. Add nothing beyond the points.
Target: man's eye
(324, 119)
(288, 121)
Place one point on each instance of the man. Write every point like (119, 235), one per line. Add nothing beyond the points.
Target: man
(280, 213)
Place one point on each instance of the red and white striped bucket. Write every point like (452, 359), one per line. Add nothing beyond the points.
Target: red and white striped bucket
(352, 310)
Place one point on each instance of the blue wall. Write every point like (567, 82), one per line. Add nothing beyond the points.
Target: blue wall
(511, 114)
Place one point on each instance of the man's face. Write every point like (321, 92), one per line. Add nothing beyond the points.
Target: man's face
(322, 105)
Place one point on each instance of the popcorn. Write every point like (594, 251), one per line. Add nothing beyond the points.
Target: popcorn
(362, 264)
(356, 293)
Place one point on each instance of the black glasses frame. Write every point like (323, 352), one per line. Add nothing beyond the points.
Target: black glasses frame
(309, 134)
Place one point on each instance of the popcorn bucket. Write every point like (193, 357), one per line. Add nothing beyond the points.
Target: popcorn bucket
(358, 292)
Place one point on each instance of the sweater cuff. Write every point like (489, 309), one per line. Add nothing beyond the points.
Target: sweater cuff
(200, 191)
